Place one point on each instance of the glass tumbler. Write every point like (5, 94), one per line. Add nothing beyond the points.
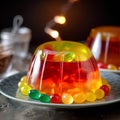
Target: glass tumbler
(20, 40)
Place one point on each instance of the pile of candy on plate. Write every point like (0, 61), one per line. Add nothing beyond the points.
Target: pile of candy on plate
(63, 72)
(66, 98)
(108, 66)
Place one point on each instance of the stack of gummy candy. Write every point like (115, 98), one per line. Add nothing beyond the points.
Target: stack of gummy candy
(63, 72)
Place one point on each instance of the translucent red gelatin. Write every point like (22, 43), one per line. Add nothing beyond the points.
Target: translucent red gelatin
(104, 43)
(67, 67)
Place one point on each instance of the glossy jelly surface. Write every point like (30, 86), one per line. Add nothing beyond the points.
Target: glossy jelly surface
(104, 42)
(64, 68)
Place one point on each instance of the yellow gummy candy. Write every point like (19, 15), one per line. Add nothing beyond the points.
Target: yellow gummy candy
(25, 90)
(79, 98)
(23, 79)
(99, 93)
(90, 97)
(21, 84)
(67, 98)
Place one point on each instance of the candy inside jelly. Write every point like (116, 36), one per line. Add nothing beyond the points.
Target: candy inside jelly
(63, 67)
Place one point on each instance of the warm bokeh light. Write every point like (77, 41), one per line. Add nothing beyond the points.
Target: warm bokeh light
(60, 19)
(54, 33)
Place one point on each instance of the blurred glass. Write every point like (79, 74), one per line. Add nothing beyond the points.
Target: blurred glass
(104, 42)
(20, 40)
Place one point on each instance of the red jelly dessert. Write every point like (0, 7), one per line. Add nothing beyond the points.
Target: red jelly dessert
(59, 67)
(104, 42)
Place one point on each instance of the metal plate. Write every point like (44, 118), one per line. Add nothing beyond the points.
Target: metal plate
(9, 86)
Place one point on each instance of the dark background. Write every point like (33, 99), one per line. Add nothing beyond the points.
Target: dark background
(81, 17)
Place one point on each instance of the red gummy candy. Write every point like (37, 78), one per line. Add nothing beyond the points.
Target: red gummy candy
(105, 88)
(102, 65)
(55, 98)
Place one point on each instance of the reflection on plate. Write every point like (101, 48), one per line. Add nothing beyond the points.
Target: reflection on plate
(108, 70)
(8, 87)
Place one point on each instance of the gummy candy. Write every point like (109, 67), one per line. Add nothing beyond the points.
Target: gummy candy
(45, 98)
(105, 88)
(25, 89)
(23, 79)
(67, 98)
(105, 82)
(90, 97)
(79, 98)
(69, 57)
(111, 67)
(102, 65)
(34, 94)
(55, 98)
(107, 66)
(22, 82)
(99, 94)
